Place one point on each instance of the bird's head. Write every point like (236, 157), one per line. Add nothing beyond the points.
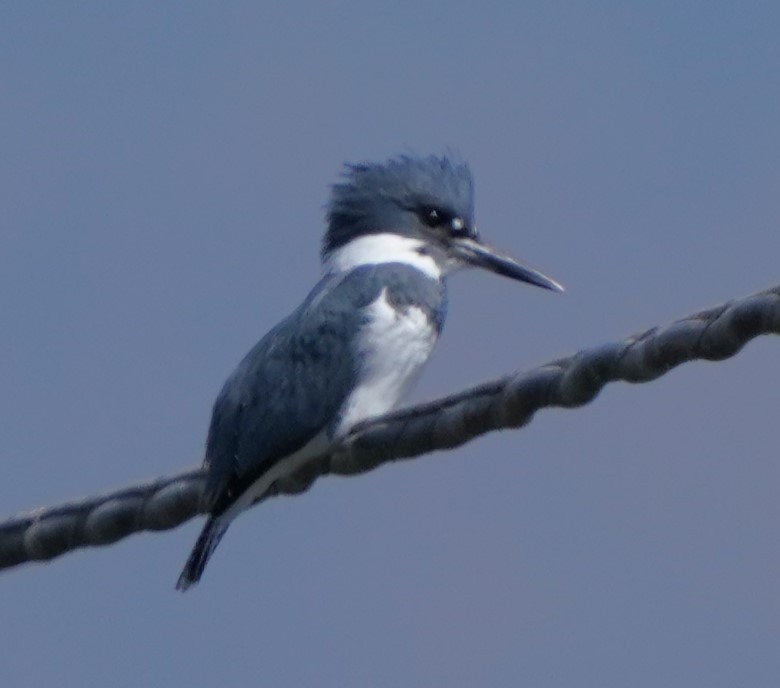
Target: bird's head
(424, 205)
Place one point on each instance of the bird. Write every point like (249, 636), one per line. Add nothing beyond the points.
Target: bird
(395, 231)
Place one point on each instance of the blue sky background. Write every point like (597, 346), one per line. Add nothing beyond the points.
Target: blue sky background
(163, 168)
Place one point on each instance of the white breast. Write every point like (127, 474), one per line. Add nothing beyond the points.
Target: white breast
(393, 346)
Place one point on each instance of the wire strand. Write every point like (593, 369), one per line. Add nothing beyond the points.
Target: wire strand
(510, 402)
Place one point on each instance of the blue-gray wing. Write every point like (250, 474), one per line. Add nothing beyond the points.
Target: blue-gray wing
(284, 392)
(292, 385)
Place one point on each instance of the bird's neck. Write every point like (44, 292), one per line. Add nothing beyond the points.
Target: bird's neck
(375, 249)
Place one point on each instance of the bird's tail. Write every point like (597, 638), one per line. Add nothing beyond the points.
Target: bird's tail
(207, 542)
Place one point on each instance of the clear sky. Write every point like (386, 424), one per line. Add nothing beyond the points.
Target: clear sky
(163, 168)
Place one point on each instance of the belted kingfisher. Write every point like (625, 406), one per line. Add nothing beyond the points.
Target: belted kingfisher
(356, 344)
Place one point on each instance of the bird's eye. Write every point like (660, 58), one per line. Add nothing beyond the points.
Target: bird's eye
(435, 217)
(446, 222)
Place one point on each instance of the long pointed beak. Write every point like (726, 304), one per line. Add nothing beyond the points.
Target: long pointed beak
(483, 256)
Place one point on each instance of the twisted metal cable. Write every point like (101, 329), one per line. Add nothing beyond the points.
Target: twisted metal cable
(510, 402)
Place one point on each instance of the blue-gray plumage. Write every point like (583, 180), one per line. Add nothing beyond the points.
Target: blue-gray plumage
(307, 366)
(358, 341)
(378, 198)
